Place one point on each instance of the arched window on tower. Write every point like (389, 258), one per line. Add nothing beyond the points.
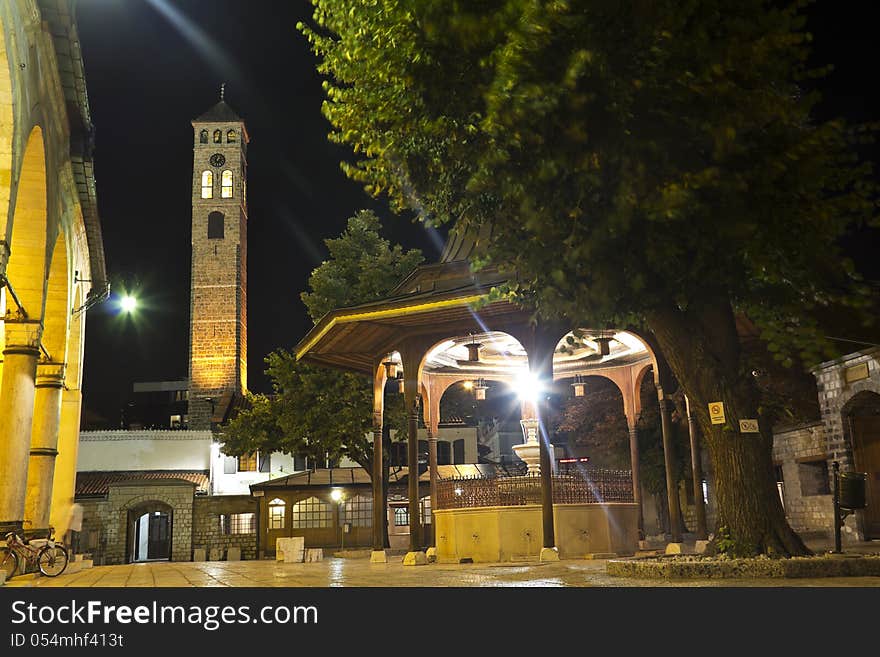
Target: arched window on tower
(226, 184)
(231, 137)
(207, 184)
(215, 226)
(218, 136)
(203, 137)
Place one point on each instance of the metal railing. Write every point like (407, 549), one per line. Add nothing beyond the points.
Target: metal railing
(586, 486)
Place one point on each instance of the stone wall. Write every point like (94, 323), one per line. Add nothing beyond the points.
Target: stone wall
(207, 530)
(801, 452)
(106, 522)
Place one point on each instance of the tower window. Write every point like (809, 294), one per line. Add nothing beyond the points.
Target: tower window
(218, 136)
(226, 184)
(203, 137)
(231, 137)
(215, 225)
(207, 184)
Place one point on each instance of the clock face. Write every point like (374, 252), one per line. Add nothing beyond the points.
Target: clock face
(217, 160)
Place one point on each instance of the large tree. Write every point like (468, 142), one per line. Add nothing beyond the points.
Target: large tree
(643, 163)
(320, 412)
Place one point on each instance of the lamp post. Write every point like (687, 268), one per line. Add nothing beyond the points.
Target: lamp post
(337, 496)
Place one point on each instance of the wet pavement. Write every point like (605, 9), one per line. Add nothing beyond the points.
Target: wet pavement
(359, 572)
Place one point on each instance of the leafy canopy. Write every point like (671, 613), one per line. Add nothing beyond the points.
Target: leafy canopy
(633, 155)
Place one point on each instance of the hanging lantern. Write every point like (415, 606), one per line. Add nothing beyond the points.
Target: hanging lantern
(390, 369)
(578, 386)
(474, 352)
(603, 340)
(480, 390)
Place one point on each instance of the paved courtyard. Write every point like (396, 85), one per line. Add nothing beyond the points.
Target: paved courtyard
(335, 572)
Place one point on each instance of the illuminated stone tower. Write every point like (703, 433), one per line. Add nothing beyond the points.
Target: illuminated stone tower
(218, 301)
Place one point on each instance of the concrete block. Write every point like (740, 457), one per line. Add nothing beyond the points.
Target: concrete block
(313, 555)
(233, 554)
(200, 554)
(600, 555)
(87, 563)
(216, 554)
(549, 554)
(674, 548)
(431, 554)
(378, 556)
(415, 559)
(700, 547)
(2, 577)
(290, 549)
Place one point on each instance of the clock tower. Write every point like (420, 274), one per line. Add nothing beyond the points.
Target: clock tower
(218, 292)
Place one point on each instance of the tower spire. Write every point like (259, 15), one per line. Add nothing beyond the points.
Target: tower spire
(222, 91)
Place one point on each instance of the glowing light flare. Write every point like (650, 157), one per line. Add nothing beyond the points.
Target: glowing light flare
(528, 387)
(468, 385)
(336, 494)
(128, 304)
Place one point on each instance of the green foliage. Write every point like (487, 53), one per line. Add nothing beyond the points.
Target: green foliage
(655, 153)
(362, 267)
(316, 411)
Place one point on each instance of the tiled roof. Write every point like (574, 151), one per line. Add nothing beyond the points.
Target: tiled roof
(98, 483)
(349, 476)
(220, 113)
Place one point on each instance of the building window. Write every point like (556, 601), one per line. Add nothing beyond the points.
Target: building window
(358, 511)
(444, 453)
(203, 137)
(814, 478)
(425, 505)
(215, 225)
(239, 523)
(231, 137)
(276, 513)
(207, 184)
(401, 516)
(458, 451)
(218, 136)
(780, 484)
(311, 513)
(226, 184)
(247, 462)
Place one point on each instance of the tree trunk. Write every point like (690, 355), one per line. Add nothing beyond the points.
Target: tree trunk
(702, 348)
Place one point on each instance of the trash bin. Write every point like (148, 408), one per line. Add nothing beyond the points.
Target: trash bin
(852, 490)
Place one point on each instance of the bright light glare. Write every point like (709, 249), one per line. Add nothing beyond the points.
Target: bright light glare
(128, 303)
(527, 387)
(468, 385)
(336, 494)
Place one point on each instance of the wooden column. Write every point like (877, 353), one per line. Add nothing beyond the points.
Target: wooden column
(697, 473)
(668, 456)
(636, 481)
(378, 466)
(411, 357)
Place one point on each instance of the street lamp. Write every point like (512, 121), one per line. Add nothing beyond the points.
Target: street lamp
(128, 304)
(337, 496)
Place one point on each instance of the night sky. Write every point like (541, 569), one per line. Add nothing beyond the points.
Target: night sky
(154, 65)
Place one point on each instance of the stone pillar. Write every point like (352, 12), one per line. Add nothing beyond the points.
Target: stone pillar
(17, 412)
(64, 481)
(432, 407)
(697, 473)
(668, 456)
(44, 443)
(636, 479)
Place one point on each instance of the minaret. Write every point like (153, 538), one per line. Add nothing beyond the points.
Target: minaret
(218, 292)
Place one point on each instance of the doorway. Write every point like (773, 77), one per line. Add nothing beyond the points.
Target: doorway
(150, 533)
(863, 419)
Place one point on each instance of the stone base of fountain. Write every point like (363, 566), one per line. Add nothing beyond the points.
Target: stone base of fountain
(531, 454)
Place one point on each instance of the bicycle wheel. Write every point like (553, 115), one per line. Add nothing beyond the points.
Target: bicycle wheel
(9, 564)
(52, 560)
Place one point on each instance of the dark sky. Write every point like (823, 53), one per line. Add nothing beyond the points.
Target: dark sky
(154, 65)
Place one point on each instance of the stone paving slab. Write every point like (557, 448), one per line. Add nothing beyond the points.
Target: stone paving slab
(336, 572)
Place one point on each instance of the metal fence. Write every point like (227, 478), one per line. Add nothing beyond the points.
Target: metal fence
(587, 486)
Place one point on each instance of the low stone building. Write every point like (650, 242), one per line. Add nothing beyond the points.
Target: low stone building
(848, 433)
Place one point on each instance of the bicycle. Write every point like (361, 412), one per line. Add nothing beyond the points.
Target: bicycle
(51, 559)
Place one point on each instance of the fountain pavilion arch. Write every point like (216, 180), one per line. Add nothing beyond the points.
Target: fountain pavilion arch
(51, 259)
(439, 327)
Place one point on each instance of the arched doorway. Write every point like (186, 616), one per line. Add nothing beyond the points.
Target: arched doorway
(150, 527)
(861, 418)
